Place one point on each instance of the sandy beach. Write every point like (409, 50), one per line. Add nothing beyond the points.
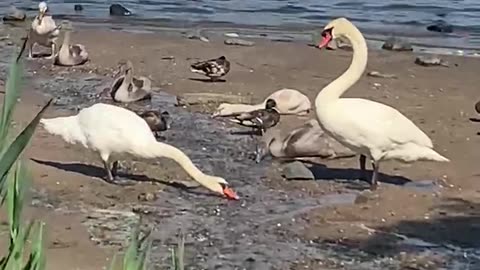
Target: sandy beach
(303, 227)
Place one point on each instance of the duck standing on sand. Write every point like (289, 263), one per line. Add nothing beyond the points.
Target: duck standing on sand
(157, 121)
(259, 120)
(213, 68)
(109, 130)
(70, 54)
(128, 88)
(43, 31)
(369, 128)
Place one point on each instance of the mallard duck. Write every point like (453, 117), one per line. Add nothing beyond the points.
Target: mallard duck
(308, 140)
(127, 88)
(213, 68)
(70, 54)
(43, 31)
(289, 101)
(157, 121)
(110, 130)
(259, 120)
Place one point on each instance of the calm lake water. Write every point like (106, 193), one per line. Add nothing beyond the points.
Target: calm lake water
(377, 19)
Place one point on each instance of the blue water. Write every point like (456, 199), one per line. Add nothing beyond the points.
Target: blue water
(377, 19)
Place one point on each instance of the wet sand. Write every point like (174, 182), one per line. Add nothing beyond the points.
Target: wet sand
(278, 224)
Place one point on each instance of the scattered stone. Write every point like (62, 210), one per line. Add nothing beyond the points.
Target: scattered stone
(119, 10)
(441, 27)
(78, 7)
(397, 44)
(378, 74)
(147, 197)
(62, 101)
(205, 98)
(428, 61)
(238, 42)
(297, 171)
(14, 14)
(232, 35)
(365, 196)
(197, 36)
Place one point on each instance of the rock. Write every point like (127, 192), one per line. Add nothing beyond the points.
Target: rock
(146, 197)
(297, 171)
(79, 7)
(14, 14)
(232, 35)
(197, 36)
(397, 44)
(119, 10)
(204, 98)
(441, 27)
(238, 42)
(378, 74)
(428, 61)
(365, 196)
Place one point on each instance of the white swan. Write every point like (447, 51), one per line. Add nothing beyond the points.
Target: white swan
(369, 128)
(289, 101)
(43, 31)
(108, 129)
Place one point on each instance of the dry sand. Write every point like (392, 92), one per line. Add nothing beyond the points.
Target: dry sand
(439, 100)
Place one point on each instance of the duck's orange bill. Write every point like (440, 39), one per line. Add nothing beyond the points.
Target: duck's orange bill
(230, 194)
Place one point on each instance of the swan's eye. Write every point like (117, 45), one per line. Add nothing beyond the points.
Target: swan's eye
(327, 32)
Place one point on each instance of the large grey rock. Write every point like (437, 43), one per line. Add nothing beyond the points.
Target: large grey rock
(397, 44)
(239, 42)
(297, 171)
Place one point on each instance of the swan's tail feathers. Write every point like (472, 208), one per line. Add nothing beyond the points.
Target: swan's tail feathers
(414, 152)
(66, 127)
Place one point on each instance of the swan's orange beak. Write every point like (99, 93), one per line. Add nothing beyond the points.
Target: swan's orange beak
(327, 37)
(230, 194)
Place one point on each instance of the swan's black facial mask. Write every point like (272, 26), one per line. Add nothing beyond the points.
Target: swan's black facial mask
(326, 38)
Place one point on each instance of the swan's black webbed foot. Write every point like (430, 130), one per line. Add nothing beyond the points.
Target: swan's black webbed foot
(118, 180)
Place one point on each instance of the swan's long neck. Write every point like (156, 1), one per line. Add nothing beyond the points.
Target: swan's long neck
(335, 89)
(128, 76)
(66, 39)
(158, 149)
(66, 127)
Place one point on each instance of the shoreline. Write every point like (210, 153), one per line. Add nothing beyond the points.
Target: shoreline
(315, 217)
(284, 33)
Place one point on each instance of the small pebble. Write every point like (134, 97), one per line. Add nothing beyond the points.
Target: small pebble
(238, 42)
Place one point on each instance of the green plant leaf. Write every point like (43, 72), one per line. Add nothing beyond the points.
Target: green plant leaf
(36, 261)
(12, 92)
(15, 149)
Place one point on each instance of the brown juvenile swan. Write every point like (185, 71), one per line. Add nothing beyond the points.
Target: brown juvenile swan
(70, 54)
(127, 88)
(308, 140)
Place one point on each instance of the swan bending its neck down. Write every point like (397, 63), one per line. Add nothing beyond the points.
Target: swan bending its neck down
(289, 101)
(369, 128)
(108, 129)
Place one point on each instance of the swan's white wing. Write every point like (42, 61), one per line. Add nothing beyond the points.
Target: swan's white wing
(377, 124)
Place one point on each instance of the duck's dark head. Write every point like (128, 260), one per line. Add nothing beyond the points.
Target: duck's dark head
(222, 58)
(270, 104)
(166, 119)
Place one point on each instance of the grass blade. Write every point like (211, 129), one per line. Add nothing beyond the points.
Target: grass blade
(36, 261)
(12, 92)
(15, 149)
